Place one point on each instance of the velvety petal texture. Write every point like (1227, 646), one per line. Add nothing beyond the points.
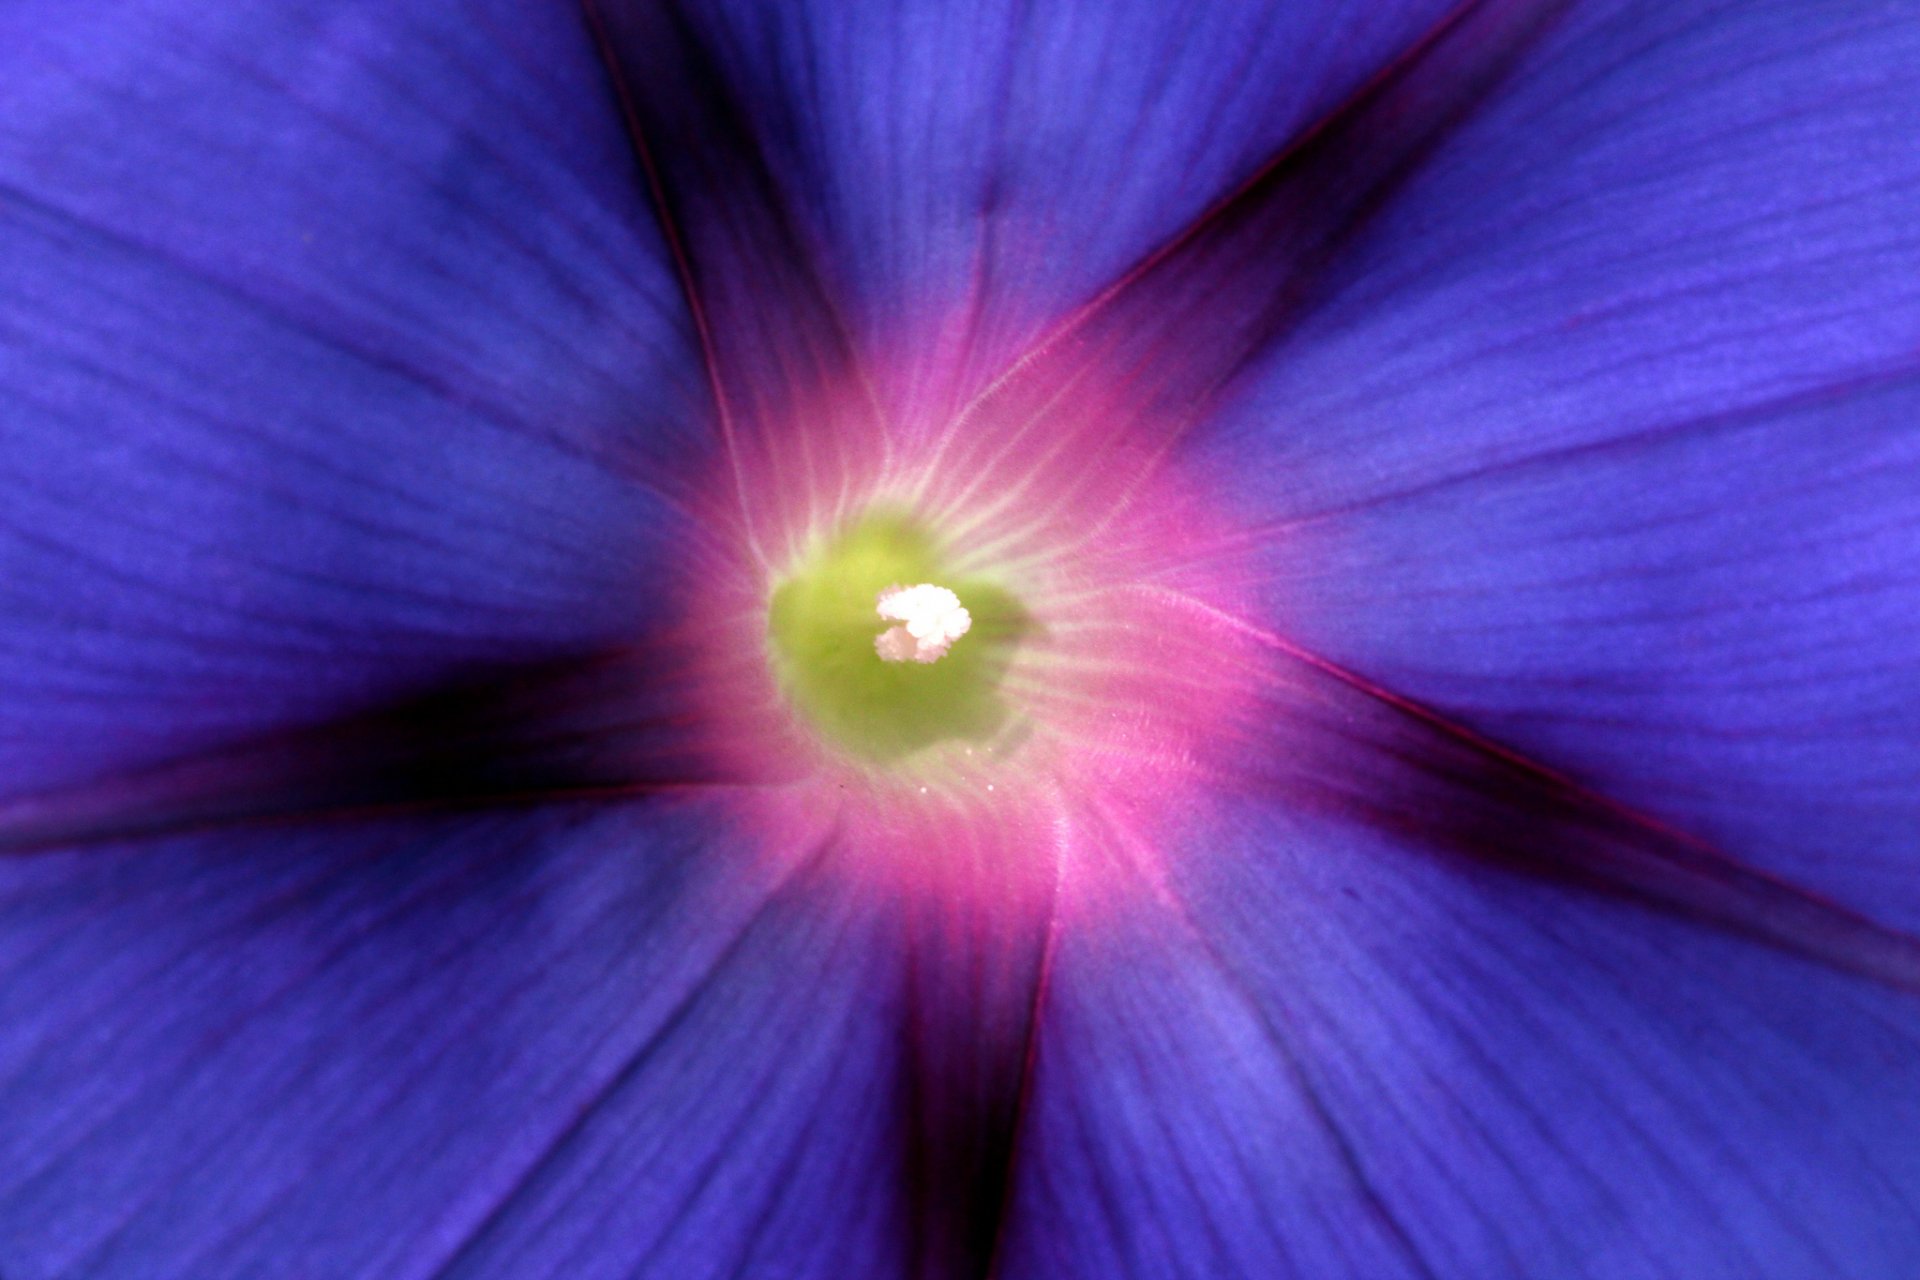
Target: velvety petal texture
(965, 173)
(572, 1042)
(1470, 444)
(339, 355)
(1340, 1058)
(1601, 436)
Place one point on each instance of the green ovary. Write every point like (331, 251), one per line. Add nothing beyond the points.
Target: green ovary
(823, 622)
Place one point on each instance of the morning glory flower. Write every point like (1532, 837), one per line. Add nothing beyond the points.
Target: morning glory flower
(923, 639)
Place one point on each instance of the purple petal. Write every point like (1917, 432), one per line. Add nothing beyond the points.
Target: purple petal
(1168, 1132)
(796, 420)
(607, 726)
(339, 354)
(1340, 1057)
(1460, 1013)
(1599, 439)
(1127, 378)
(978, 956)
(960, 174)
(1706, 625)
(575, 1043)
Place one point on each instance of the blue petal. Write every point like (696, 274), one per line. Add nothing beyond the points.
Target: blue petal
(580, 1042)
(1599, 439)
(339, 352)
(963, 173)
(1166, 1132)
(1706, 624)
(599, 726)
(977, 956)
(1340, 1057)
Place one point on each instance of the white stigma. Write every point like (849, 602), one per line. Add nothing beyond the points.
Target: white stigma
(931, 618)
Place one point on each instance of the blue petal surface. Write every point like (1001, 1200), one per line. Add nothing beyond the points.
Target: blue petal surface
(963, 173)
(568, 1042)
(339, 353)
(1448, 1018)
(1331, 1056)
(1598, 437)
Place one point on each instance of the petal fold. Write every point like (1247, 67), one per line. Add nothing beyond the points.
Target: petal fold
(1326, 1054)
(339, 354)
(1594, 437)
(581, 1042)
(966, 173)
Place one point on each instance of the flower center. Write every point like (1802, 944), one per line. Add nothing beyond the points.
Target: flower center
(931, 618)
(883, 693)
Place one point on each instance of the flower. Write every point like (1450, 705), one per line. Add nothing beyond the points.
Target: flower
(1427, 788)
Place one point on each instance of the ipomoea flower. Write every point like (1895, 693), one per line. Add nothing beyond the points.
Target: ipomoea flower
(1399, 522)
